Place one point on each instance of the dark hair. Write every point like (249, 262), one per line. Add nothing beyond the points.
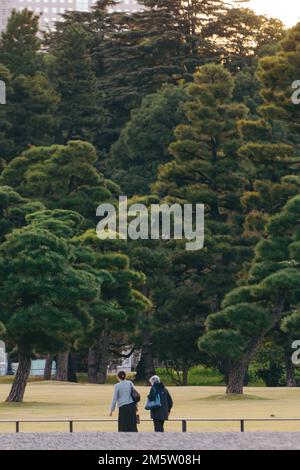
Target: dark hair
(122, 375)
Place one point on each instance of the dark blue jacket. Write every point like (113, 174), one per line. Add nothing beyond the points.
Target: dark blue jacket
(161, 413)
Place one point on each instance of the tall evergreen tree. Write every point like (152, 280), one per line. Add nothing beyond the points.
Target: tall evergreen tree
(79, 109)
(44, 299)
(144, 141)
(240, 34)
(249, 312)
(206, 169)
(31, 101)
(160, 43)
(271, 141)
(20, 44)
(277, 74)
(30, 110)
(122, 301)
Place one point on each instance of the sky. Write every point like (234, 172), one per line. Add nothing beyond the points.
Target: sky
(286, 10)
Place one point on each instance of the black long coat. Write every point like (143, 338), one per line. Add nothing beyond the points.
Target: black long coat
(161, 413)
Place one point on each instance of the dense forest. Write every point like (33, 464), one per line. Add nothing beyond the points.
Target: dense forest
(186, 101)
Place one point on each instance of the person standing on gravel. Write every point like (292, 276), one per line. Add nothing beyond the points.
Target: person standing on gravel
(126, 396)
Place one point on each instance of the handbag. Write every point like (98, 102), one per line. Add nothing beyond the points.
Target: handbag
(153, 404)
(135, 395)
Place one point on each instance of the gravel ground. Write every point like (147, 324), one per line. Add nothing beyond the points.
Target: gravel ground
(145, 441)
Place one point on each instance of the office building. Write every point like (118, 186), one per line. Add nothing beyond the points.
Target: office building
(51, 10)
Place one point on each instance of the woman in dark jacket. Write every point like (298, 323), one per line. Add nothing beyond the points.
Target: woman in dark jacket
(161, 414)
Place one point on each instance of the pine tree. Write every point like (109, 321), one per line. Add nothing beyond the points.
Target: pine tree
(240, 35)
(79, 109)
(31, 101)
(270, 141)
(20, 44)
(66, 178)
(249, 312)
(122, 301)
(44, 299)
(30, 110)
(270, 154)
(158, 44)
(14, 209)
(144, 141)
(205, 169)
(62, 177)
(278, 73)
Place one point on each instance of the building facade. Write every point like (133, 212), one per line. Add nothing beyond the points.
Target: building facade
(50, 10)
(5, 9)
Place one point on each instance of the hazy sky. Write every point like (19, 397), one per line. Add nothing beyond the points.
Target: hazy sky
(287, 10)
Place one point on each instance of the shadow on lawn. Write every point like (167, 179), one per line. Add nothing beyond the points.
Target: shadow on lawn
(233, 397)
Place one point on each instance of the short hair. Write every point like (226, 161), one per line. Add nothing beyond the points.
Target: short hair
(122, 375)
(154, 380)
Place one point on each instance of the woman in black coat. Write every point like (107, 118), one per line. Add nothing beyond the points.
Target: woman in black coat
(161, 414)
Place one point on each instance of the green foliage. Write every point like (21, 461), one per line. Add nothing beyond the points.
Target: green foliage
(291, 324)
(236, 333)
(61, 177)
(165, 41)
(30, 111)
(184, 129)
(79, 109)
(13, 210)
(121, 300)
(44, 300)
(198, 376)
(29, 115)
(242, 35)
(20, 45)
(277, 74)
(144, 141)
(205, 169)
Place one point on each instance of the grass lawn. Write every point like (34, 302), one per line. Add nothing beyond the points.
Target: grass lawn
(55, 400)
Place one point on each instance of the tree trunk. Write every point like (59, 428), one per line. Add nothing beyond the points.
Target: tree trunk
(72, 368)
(93, 365)
(185, 376)
(99, 359)
(62, 366)
(103, 356)
(290, 372)
(140, 369)
(236, 378)
(238, 371)
(18, 388)
(48, 367)
(148, 356)
(145, 368)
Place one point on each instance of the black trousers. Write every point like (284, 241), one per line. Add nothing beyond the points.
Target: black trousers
(159, 425)
(127, 418)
